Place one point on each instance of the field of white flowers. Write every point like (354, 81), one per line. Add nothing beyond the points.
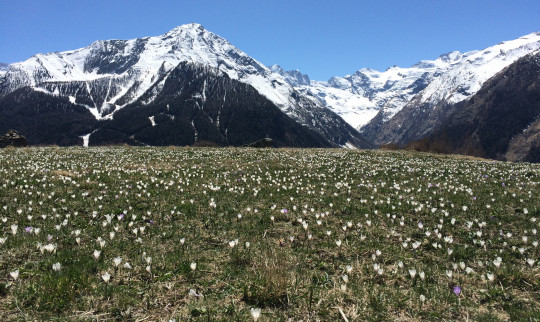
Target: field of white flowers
(274, 234)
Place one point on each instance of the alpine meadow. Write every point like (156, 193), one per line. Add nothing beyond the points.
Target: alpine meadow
(174, 233)
(265, 161)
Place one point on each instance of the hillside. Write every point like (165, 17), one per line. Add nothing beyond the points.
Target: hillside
(501, 121)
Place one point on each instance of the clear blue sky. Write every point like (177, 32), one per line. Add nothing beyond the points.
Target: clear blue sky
(320, 38)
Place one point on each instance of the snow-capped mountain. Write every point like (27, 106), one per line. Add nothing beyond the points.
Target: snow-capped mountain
(293, 77)
(357, 98)
(398, 105)
(369, 95)
(109, 75)
(126, 69)
(448, 91)
(470, 70)
(501, 121)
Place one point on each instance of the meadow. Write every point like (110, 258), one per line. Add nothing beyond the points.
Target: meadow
(171, 233)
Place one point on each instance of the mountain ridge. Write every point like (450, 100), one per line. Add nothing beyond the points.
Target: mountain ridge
(109, 75)
(367, 99)
(398, 105)
(501, 121)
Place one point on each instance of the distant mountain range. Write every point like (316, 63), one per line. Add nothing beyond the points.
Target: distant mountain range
(190, 86)
(401, 106)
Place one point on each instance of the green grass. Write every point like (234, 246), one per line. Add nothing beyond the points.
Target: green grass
(392, 212)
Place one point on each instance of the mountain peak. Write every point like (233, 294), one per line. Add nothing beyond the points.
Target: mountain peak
(193, 25)
(453, 55)
(187, 29)
(189, 26)
(131, 67)
(367, 70)
(276, 68)
(293, 77)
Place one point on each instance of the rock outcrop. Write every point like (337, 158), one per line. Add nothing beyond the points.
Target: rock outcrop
(12, 138)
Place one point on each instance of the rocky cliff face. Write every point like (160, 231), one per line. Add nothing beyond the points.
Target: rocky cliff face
(293, 77)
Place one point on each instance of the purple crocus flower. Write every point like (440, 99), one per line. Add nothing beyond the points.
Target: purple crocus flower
(29, 229)
(457, 290)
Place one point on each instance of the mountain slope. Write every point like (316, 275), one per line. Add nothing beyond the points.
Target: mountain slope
(197, 105)
(44, 118)
(371, 100)
(108, 76)
(446, 92)
(501, 121)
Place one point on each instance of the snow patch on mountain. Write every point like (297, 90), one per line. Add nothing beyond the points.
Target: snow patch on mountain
(86, 138)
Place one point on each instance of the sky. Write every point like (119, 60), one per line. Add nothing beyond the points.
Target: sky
(319, 38)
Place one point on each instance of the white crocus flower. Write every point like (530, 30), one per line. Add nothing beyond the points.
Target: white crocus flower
(106, 277)
(255, 313)
(14, 274)
(117, 261)
(57, 267)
